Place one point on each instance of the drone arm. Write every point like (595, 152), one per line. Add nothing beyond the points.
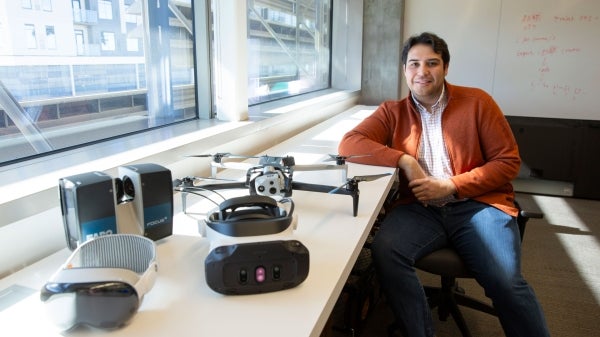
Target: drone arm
(352, 191)
(318, 188)
(222, 186)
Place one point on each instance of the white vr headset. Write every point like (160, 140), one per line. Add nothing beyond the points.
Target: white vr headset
(102, 283)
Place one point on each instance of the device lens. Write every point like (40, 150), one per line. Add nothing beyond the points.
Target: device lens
(105, 305)
(128, 187)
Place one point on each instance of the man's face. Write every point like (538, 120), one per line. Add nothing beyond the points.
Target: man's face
(425, 72)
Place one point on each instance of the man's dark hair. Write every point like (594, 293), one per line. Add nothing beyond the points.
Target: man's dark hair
(438, 45)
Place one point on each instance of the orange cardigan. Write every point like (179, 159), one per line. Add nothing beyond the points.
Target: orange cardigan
(482, 149)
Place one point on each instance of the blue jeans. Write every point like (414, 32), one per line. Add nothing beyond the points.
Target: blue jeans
(487, 240)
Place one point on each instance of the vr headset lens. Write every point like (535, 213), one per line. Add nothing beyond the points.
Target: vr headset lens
(106, 305)
(101, 284)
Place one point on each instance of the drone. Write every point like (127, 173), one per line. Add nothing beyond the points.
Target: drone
(273, 176)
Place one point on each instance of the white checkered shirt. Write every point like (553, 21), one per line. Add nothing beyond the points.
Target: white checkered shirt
(433, 155)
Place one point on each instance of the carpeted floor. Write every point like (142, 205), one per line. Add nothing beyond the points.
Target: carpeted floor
(561, 261)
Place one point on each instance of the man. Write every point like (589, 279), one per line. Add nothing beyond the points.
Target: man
(456, 156)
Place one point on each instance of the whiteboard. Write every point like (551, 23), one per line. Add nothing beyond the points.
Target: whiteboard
(537, 58)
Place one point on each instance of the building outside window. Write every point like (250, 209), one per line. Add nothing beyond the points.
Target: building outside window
(93, 78)
(106, 78)
(288, 48)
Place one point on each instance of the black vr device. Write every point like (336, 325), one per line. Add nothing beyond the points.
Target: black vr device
(249, 253)
(140, 202)
(250, 216)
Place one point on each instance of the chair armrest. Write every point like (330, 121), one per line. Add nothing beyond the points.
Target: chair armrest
(528, 208)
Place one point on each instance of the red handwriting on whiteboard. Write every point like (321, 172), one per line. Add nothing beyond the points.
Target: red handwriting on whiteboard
(535, 17)
(566, 18)
(559, 89)
(541, 42)
(570, 50)
(572, 18)
(536, 39)
(548, 51)
(588, 18)
(545, 68)
(530, 21)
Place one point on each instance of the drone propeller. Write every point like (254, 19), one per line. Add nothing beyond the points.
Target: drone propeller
(213, 178)
(220, 155)
(357, 179)
(370, 177)
(341, 160)
(199, 155)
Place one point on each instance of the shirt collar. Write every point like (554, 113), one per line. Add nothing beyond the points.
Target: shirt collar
(440, 100)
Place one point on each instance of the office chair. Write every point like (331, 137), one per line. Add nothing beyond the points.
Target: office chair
(447, 264)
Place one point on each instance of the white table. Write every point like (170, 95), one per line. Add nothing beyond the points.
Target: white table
(181, 304)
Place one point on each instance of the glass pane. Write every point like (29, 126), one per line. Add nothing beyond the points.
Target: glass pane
(86, 74)
(288, 48)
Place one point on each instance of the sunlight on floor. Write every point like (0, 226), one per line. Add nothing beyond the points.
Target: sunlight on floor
(583, 249)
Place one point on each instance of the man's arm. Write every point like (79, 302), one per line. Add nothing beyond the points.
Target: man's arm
(371, 137)
(424, 188)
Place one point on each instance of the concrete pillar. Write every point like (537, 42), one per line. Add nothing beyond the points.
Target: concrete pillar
(382, 43)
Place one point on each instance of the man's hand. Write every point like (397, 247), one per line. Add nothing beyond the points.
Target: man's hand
(430, 188)
(425, 188)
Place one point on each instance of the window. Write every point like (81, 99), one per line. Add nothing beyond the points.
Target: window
(131, 18)
(79, 42)
(47, 5)
(133, 45)
(26, 4)
(91, 83)
(30, 36)
(108, 41)
(50, 37)
(105, 9)
(289, 46)
(76, 5)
